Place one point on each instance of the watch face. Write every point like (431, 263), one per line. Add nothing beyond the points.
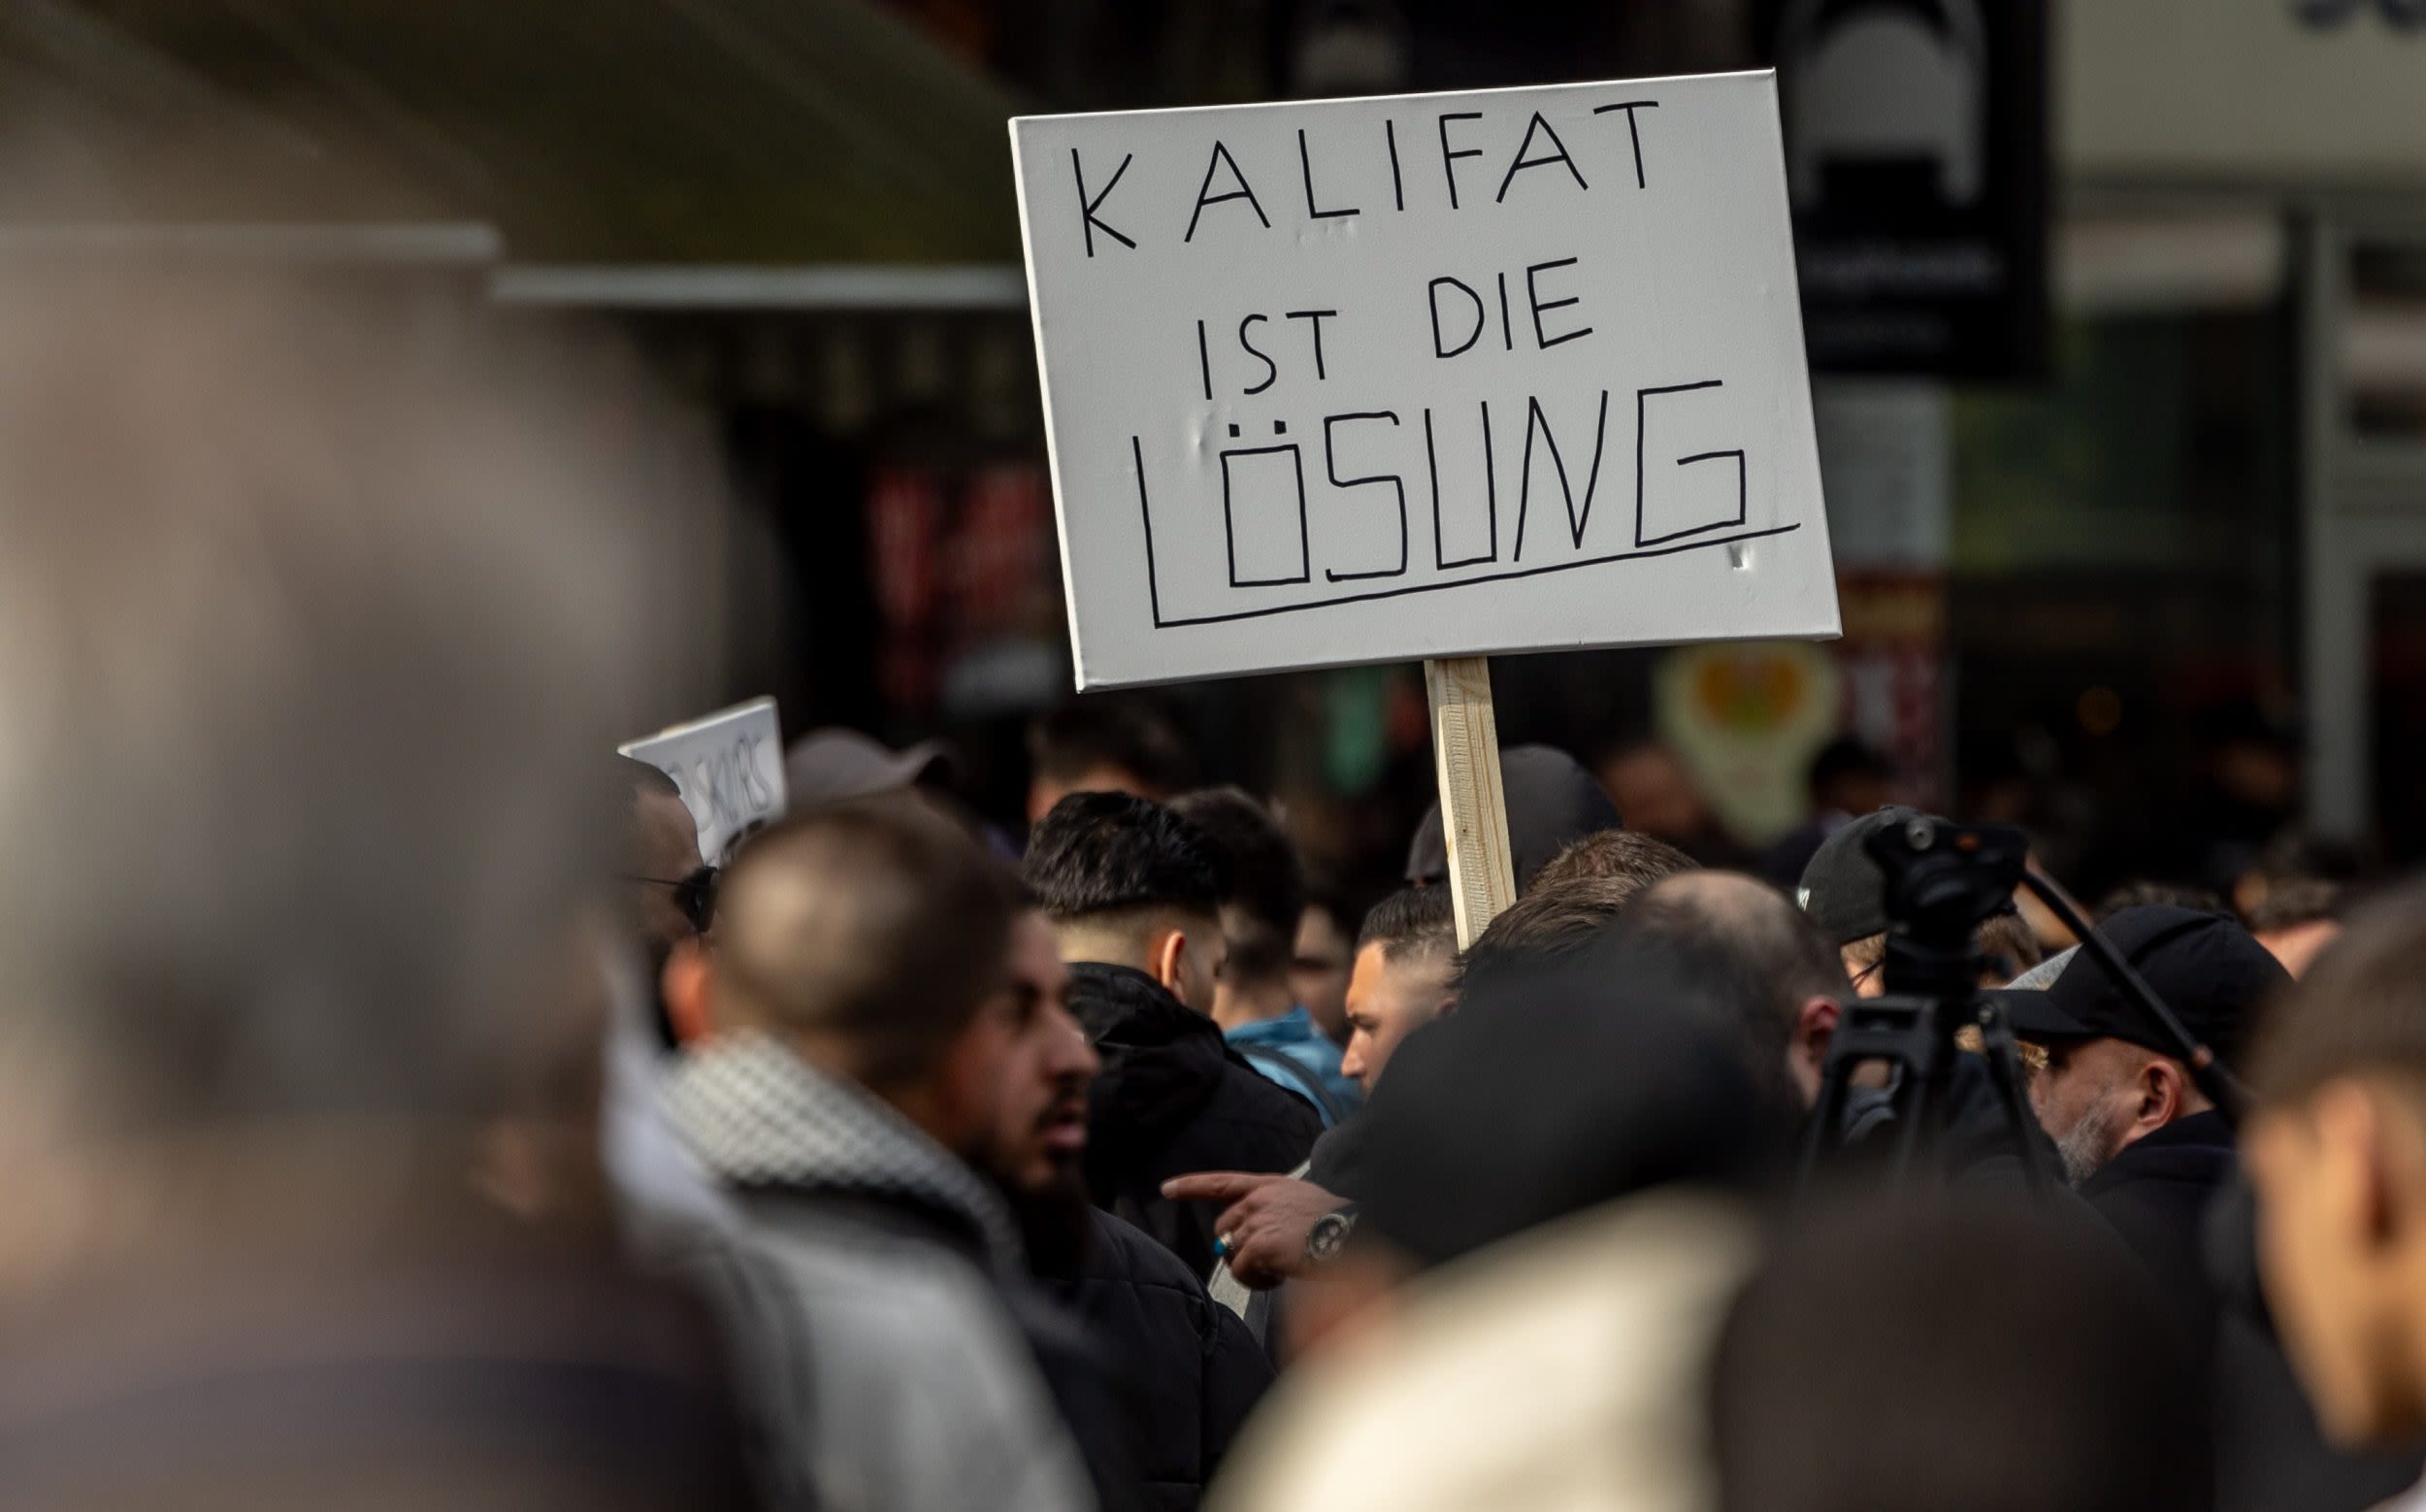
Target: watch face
(1329, 1233)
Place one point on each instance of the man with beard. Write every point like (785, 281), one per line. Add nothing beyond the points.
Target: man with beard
(1134, 893)
(1188, 1369)
(2138, 1138)
(868, 1046)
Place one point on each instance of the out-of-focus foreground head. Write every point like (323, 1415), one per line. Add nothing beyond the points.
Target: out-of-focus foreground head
(2337, 1154)
(1953, 1354)
(312, 615)
(1628, 1083)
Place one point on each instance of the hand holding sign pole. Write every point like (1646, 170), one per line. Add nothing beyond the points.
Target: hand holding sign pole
(1425, 378)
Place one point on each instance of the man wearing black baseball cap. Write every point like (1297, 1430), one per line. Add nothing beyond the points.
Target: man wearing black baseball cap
(2141, 1141)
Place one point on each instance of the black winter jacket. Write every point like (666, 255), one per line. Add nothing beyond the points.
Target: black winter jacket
(1174, 1099)
(2156, 1193)
(1186, 1366)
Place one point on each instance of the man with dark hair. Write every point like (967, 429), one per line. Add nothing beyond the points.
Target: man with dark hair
(867, 1014)
(1405, 974)
(1188, 1372)
(1252, 1001)
(2137, 1136)
(1760, 959)
(1104, 744)
(1844, 890)
(1406, 961)
(1134, 893)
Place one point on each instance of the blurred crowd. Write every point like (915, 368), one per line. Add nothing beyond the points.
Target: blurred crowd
(401, 1110)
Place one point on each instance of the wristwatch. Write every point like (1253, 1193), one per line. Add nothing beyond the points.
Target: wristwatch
(1329, 1233)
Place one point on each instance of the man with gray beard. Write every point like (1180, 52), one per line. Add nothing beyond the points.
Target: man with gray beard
(2142, 1143)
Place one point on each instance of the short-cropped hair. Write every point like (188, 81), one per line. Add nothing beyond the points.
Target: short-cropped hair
(1106, 853)
(1615, 856)
(1547, 924)
(2295, 901)
(1757, 957)
(876, 923)
(1266, 886)
(1411, 923)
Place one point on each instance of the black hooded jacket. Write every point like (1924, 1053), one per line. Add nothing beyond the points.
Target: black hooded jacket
(1172, 1100)
(1186, 1366)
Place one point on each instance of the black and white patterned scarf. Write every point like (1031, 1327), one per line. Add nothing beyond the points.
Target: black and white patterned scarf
(757, 1116)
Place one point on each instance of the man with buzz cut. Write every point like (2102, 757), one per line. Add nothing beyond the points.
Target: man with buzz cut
(1134, 893)
(871, 1037)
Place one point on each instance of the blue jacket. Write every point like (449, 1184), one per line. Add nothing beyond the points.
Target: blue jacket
(1288, 1050)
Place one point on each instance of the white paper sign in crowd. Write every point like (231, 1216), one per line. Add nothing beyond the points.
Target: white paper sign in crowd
(730, 767)
(1441, 375)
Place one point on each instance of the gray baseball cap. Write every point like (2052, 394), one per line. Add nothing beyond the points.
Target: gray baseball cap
(829, 765)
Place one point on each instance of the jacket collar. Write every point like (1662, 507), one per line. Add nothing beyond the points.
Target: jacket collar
(2195, 1151)
(1105, 997)
(2210, 1130)
(759, 1116)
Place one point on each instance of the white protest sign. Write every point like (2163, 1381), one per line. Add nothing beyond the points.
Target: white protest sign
(1426, 375)
(729, 765)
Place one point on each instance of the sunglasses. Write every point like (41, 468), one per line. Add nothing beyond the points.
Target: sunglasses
(694, 896)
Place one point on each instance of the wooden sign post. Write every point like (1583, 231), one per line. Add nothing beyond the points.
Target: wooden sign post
(1473, 806)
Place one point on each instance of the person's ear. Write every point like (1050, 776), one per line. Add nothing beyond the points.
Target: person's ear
(1807, 1049)
(1164, 960)
(687, 984)
(2164, 1091)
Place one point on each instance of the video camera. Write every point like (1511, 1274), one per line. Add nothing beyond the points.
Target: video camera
(1942, 881)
